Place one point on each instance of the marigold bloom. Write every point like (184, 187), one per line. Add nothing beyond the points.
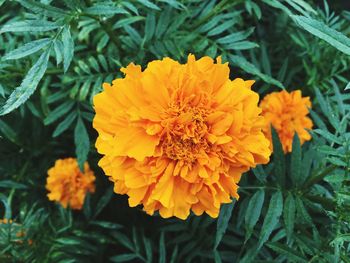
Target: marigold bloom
(177, 137)
(287, 113)
(68, 185)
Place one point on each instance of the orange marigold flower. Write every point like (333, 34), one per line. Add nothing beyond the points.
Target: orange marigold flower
(287, 113)
(177, 137)
(68, 185)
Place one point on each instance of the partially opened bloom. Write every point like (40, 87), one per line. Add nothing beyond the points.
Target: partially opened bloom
(177, 137)
(68, 185)
(287, 113)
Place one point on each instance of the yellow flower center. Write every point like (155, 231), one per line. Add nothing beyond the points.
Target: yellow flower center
(186, 129)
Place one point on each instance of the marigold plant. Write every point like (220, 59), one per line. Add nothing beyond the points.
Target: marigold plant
(177, 137)
(68, 185)
(287, 113)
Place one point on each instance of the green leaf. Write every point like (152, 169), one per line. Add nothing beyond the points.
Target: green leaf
(127, 21)
(59, 112)
(322, 102)
(328, 136)
(123, 258)
(324, 32)
(279, 159)
(217, 257)
(242, 45)
(235, 37)
(29, 26)
(27, 49)
(251, 69)
(42, 9)
(150, 26)
(221, 27)
(296, 160)
(174, 255)
(302, 212)
(289, 215)
(272, 217)
(107, 225)
(284, 250)
(68, 48)
(148, 4)
(12, 185)
(148, 249)
(347, 86)
(82, 143)
(260, 173)
(65, 124)
(8, 132)
(162, 250)
(103, 201)
(105, 10)
(28, 85)
(222, 222)
(7, 205)
(58, 46)
(253, 212)
(124, 240)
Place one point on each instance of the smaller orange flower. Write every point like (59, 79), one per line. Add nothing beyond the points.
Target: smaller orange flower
(68, 185)
(6, 221)
(287, 113)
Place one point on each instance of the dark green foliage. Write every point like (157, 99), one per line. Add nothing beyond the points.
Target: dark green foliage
(55, 55)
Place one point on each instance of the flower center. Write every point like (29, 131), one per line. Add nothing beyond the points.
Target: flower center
(186, 130)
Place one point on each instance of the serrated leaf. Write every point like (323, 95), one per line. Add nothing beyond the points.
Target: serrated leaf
(347, 86)
(322, 31)
(302, 212)
(288, 252)
(59, 112)
(123, 258)
(253, 212)
(58, 46)
(328, 136)
(29, 26)
(150, 27)
(272, 217)
(259, 173)
(124, 240)
(242, 45)
(279, 159)
(289, 215)
(42, 9)
(148, 4)
(11, 184)
(8, 132)
(82, 143)
(27, 49)
(235, 37)
(28, 85)
(221, 27)
(65, 124)
(162, 250)
(251, 69)
(99, 9)
(68, 48)
(322, 102)
(127, 21)
(296, 160)
(222, 222)
(103, 201)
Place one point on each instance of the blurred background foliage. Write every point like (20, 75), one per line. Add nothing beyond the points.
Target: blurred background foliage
(56, 54)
